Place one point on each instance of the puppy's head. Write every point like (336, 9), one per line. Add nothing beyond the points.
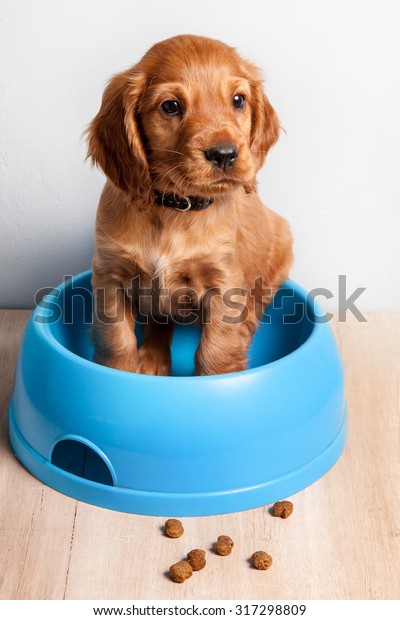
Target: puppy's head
(190, 118)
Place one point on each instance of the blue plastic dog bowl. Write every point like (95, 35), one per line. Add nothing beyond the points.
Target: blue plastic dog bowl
(180, 445)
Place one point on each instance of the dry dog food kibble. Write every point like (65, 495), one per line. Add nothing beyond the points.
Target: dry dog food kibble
(282, 509)
(197, 559)
(173, 528)
(180, 571)
(224, 545)
(261, 560)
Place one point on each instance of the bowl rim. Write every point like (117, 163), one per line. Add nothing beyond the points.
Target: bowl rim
(44, 331)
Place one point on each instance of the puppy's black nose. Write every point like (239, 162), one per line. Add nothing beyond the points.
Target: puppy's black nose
(222, 155)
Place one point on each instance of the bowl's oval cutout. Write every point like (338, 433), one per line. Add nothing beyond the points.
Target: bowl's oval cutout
(79, 459)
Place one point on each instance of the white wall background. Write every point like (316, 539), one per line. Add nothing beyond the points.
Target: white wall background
(332, 73)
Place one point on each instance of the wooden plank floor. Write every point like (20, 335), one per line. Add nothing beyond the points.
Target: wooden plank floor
(342, 541)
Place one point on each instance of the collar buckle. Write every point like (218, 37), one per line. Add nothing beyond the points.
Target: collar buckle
(188, 205)
(182, 203)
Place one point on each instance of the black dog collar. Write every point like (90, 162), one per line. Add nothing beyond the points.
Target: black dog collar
(188, 203)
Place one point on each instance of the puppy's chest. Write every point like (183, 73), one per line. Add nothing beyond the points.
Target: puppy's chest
(170, 269)
(167, 276)
(166, 266)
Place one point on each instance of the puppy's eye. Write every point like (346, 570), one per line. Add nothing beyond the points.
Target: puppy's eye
(171, 107)
(238, 101)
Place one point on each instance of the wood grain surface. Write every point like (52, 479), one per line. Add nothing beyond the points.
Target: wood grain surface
(341, 542)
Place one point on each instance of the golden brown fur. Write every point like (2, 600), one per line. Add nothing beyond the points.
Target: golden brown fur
(233, 244)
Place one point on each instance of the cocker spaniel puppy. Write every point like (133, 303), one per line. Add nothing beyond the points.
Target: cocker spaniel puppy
(181, 234)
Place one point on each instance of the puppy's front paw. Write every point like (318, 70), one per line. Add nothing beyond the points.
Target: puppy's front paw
(218, 362)
(151, 361)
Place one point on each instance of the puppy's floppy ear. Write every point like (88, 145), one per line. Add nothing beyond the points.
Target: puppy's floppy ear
(115, 143)
(264, 120)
